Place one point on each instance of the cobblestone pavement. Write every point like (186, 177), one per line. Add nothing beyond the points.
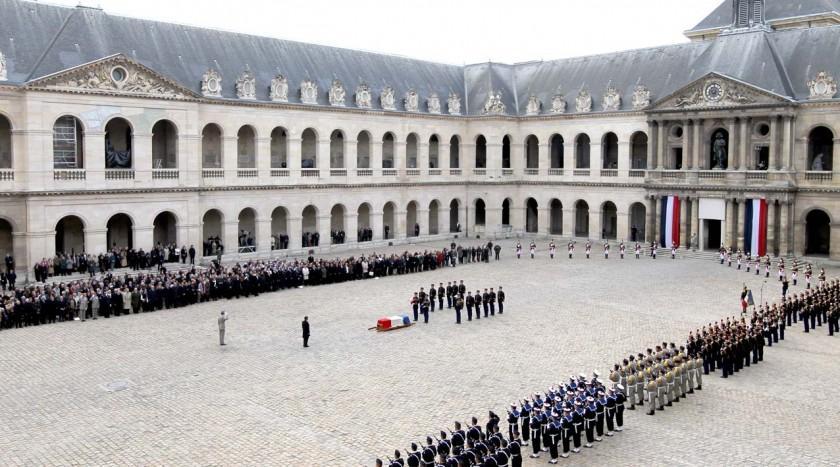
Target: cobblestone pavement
(157, 389)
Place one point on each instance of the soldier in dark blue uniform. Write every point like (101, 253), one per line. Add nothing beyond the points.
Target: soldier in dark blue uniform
(500, 297)
(477, 300)
(432, 294)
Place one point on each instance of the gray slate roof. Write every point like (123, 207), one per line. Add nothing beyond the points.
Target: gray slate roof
(40, 40)
(774, 10)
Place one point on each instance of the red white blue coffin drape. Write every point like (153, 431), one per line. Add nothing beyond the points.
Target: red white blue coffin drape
(755, 226)
(669, 232)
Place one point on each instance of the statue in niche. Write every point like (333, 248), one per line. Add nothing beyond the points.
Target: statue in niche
(719, 152)
(818, 164)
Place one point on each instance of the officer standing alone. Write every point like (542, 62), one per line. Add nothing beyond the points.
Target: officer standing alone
(222, 320)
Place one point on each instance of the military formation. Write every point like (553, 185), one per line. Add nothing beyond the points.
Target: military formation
(456, 296)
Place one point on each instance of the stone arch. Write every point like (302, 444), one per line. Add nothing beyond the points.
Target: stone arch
(532, 223)
(309, 223)
(820, 149)
(7, 246)
(480, 212)
(506, 211)
(211, 146)
(412, 223)
(817, 232)
(506, 152)
(389, 218)
(337, 229)
(532, 152)
(119, 231)
(164, 145)
(70, 235)
(581, 218)
(411, 151)
(279, 148)
(609, 151)
(454, 152)
(609, 221)
(165, 229)
(557, 151)
(556, 214)
(246, 147)
(639, 150)
(337, 149)
(119, 139)
(280, 228)
(637, 222)
(309, 149)
(434, 152)
(480, 152)
(246, 230)
(363, 223)
(582, 144)
(434, 217)
(68, 143)
(363, 150)
(211, 227)
(455, 215)
(388, 150)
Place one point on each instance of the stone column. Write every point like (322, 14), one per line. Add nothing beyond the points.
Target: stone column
(594, 224)
(94, 158)
(786, 144)
(230, 236)
(144, 237)
(293, 156)
(653, 219)
(323, 156)
(263, 234)
(684, 222)
(423, 156)
(771, 227)
(230, 159)
(623, 226)
(141, 153)
(400, 228)
(695, 221)
(623, 158)
(728, 222)
(688, 131)
(544, 220)
(569, 157)
(377, 224)
(351, 156)
(494, 154)
(697, 146)
(517, 217)
(324, 238)
(596, 158)
(653, 128)
(785, 242)
(517, 157)
(467, 158)
(744, 160)
(376, 157)
(739, 222)
(422, 216)
(773, 160)
(661, 134)
(733, 143)
(545, 156)
(399, 157)
(351, 227)
(568, 221)
(295, 233)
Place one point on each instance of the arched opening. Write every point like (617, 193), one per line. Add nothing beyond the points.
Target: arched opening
(120, 232)
(5, 143)
(363, 150)
(279, 228)
(365, 233)
(480, 152)
(821, 149)
(411, 151)
(557, 143)
(211, 147)
(638, 219)
(434, 208)
(388, 220)
(6, 242)
(817, 233)
(582, 151)
(246, 148)
(531, 216)
(310, 235)
(609, 151)
(309, 149)
(532, 152)
(434, 152)
(411, 221)
(70, 235)
(454, 216)
(506, 152)
(609, 221)
(719, 149)
(337, 231)
(279, 148)
(247, 226)
(211, 226)
(165, 230)
(638, 150)
(581, 219)
(506, 212)
(337, 150)
(118, 141)
(68, 143)
(480, 214)
(164, 145)
(454, 152)
(674, 158)
(388, 151)
(556, 224)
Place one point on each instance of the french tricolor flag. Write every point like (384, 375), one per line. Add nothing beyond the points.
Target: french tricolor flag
(670, 221)
(755, 227)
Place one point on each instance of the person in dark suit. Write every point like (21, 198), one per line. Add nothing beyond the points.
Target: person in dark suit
(305, 326)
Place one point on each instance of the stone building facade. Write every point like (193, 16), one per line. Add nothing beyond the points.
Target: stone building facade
(109, 139)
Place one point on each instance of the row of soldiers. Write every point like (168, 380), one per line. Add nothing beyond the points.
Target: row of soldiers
(587, 249)
(815, 307)
(457, 297)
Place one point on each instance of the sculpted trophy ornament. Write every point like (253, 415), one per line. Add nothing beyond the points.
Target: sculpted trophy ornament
(494, 105)
(3, 70)
(246, 86)
(823, 86)
(308, 92)
(386, 99)
(641, 97)
(433, 104)
(583, 102)
(211, 84)
(558, 103)
(337, 94)
(611, 100)
(279, 90)
(363, 97)
(454, 104)
(412, 101)
(534, 106)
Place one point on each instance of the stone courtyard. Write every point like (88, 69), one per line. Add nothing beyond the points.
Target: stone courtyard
(157, 389)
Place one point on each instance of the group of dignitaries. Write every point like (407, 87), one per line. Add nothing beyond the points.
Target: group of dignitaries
(559, 421)
(110, 294)
(457, 296)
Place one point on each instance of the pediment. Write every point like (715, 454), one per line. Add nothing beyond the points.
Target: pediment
(716, 91)
(116, 74)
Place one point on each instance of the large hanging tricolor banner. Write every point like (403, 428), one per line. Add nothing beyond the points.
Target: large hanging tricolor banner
(669, 232)
(755, 227)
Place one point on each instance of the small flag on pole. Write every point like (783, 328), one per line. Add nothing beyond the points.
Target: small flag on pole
(750, 300)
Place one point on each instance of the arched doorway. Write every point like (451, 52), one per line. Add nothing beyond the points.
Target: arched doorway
(556, 227)
(363, 150)
(211, 147)
(211, 226)
(454, 216)
(609, 151)
(411, 151)
(388, 219)
(6, 242)
(638, 219)
(337, 231)
(506, 212)
(532, 152)
(246, 231)
(821, 149)
(309, 149)
(609, 221)
(365, 234)
(581, 219)
(279, 228)
(719, 149)
(120, 232)
(246, 148)
(454, 152)
(279, 148)
(310, 236)
(480, 152)
(68, 143)
(480, 214)
(817, 233)
(118, 142)
(412, 224)
(531, 216)
(70, 235)
(388, 151)
(557, 152)
(434, 208)
(164, 145)
(582, 151)
(638, 150)
(165, 229)
(337, 150)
